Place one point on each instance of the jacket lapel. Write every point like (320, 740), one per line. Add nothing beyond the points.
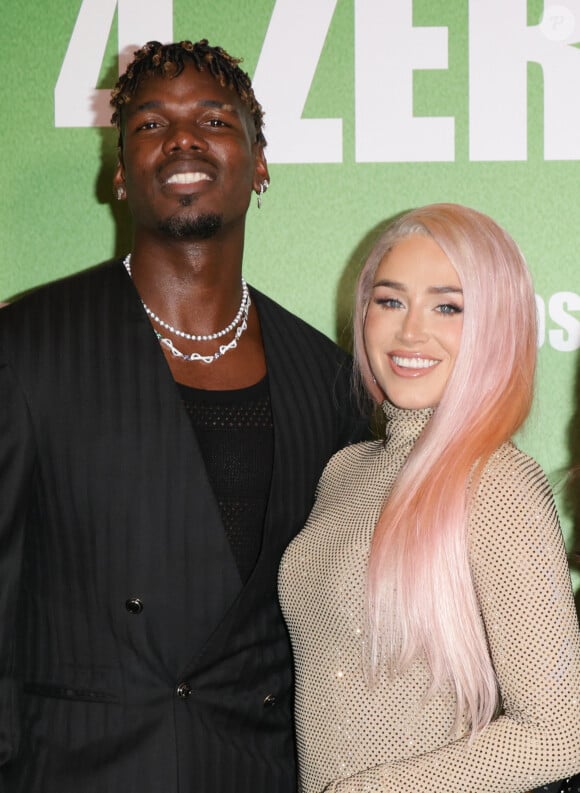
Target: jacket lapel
(181, 538)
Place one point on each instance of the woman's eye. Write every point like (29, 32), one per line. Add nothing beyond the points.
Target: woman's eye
(217, 122)
(388, 302)
(449, 308)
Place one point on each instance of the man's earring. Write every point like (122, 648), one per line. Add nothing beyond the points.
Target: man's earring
(120, 192)
(263, 187)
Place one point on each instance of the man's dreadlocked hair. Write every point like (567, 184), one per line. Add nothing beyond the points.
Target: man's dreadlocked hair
(169, 60)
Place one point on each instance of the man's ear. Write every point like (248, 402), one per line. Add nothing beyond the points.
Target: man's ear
(261, 173)
(119, 188)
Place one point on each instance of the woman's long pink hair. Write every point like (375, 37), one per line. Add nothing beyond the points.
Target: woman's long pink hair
(421, 597)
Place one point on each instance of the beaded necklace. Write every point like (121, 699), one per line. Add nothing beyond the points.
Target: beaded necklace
(240, 322)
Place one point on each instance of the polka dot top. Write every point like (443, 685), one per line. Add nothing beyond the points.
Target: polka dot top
(396, 736)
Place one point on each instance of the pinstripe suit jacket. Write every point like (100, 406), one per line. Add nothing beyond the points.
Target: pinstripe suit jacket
(104, 498)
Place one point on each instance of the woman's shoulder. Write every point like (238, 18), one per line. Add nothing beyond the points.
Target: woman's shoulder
(509, 467)
(513, 493)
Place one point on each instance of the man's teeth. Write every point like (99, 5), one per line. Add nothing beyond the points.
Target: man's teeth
(414, 363)
(187, 178)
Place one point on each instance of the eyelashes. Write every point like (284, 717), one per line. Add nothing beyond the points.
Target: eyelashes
(446, 309)
(449, 309)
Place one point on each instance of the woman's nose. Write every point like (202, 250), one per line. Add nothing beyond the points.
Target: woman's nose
(413, 327)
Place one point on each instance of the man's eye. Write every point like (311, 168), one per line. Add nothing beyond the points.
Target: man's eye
(217, 122)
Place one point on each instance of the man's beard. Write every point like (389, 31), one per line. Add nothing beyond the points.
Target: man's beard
(180, 227)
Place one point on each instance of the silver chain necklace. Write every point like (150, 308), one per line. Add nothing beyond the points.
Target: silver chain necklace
(194, 336)
(240, 322)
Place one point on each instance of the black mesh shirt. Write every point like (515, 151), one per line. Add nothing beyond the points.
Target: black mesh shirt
(235, 433)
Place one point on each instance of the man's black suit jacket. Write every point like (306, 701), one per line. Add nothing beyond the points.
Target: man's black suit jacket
(132, 659)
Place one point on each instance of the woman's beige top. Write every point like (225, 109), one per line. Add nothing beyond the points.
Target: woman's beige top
(391, 738)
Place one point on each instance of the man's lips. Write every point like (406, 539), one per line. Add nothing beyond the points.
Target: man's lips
(186, 172)
(188, 177)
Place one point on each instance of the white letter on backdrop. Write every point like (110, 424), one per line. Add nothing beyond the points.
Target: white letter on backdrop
(387, 51)
(500, 46)
(77, 102)
(568, 338)
(282, 82)
(541, 318)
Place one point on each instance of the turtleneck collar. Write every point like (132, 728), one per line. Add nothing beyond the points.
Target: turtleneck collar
(404, 426)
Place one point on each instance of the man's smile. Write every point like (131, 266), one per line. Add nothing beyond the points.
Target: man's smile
(190, 177)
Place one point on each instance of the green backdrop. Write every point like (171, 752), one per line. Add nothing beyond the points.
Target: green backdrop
(372, 107)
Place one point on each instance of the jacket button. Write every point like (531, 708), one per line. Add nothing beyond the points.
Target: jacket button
(134, 605)
(269, 701)
(183, 690)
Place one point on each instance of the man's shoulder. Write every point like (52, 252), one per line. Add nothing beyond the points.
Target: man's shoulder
(289, 323)
(90, 276)
(46, 313)
(88, 283)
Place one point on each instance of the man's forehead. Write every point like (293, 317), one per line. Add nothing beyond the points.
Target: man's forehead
(158, 103)
(202, 82)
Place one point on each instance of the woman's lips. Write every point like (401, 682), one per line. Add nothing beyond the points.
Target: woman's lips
(411, 365)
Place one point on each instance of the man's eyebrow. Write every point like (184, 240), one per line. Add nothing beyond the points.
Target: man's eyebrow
(155, 104)
(217, 104)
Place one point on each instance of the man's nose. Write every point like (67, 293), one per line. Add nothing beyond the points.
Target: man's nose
(184, 137)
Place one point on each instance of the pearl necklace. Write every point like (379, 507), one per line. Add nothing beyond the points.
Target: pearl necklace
(241, 316)
(193, 336)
